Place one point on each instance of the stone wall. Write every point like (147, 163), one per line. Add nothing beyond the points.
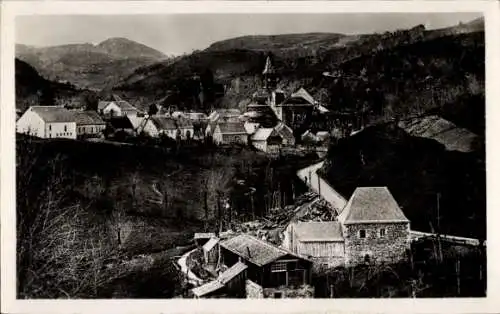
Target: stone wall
(380, 249)
(323, 263)
(304, 292)
(253, 290)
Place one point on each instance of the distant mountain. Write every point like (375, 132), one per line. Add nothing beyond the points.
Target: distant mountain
(87, 65)
(32, 89)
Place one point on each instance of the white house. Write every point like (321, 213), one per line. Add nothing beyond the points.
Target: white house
(47, 122)
(230, 133)
(266, 140)
(116, 108)
(164, 125)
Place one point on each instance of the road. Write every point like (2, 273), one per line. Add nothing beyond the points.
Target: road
(320, 186)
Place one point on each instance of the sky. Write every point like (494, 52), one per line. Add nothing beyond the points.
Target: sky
(183, 33)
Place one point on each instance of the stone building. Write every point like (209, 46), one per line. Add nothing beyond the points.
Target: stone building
(371, 228)
(374, 227)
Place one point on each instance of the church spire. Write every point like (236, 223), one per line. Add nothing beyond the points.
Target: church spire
(268, 68)
(269, 75)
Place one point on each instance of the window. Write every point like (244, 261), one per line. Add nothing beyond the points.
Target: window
(65, 128)
(382, 232)
(278, 295)
(278, 267)
(50, 127)
(362, 234)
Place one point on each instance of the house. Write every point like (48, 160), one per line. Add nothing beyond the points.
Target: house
(200, 238)
(286, 134)
(211, 251)
(267, 140)
(374, 227)
(185, 127)
(322, 242)
(227, 115)
(272, 272)
(296, 110)
(88, 124)
(230, 283)
(116, 108)
(230, 133)
(164, 125)
(47, 122)
(370, 228)
(309, 137)
(120, 124)
(251, 127)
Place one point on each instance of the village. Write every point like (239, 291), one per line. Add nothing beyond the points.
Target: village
(276, 256)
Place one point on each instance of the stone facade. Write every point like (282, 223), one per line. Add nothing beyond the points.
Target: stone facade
(328, 262)
(304, 292)
(386, 247)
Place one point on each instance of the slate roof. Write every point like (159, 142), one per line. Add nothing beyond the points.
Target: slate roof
(207, 288)
(232, 272)
(315, 231)
(371, 204)
(87, 118)
(210, 244)
(204, 235)
(121, 123)
(299, 97)
(284, 131)
(164, 123)
(262, 134)
(184, 123)
(52, 114)
(232, 128)
(261, 252)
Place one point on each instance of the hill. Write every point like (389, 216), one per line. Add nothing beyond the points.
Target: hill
(419, 172)
(32, 89)
(88, 65)
(392, 73)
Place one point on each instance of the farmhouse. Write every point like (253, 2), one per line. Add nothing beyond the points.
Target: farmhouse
(185, 127)
(267, 140)
(88, 124)
(47, 122)
(370, 228)
(230, 133)
(165, 126)
(272, 272)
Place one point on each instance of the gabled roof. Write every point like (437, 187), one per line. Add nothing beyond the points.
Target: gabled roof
(284, 131)
(122, 104)
(232, 272)
(53, 114)
(301, 97)
(102, 104)
(210, 244)
(184, 123)
(254, 250)
(232, 128)
(87, 118)
(371, 204)
(314, 231)
(262, 134)
(207, 288)
(164, 123)
(121, 123)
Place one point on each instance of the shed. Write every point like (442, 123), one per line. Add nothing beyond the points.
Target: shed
(210, 251)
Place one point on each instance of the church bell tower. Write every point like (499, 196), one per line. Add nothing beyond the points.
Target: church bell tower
(269, 75)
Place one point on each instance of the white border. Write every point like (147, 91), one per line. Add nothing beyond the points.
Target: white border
(10, 9)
